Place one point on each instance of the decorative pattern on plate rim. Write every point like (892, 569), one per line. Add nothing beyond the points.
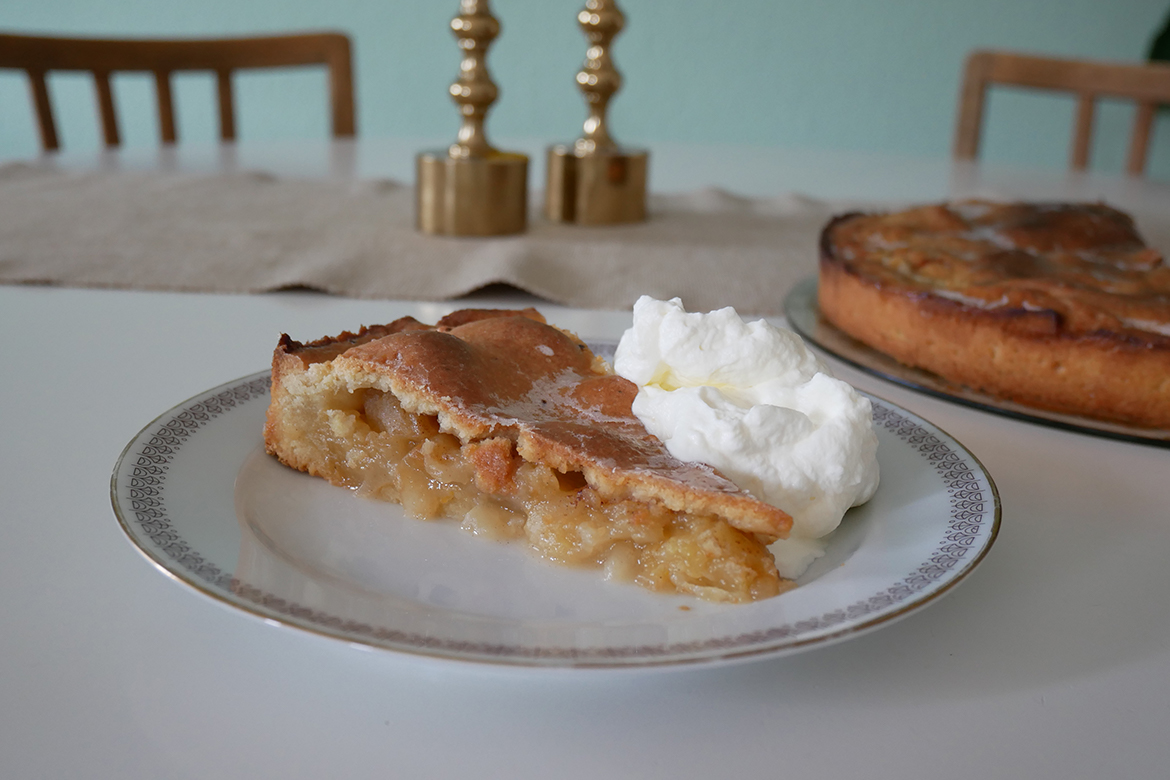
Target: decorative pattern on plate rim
(152, 462)
(152, 456)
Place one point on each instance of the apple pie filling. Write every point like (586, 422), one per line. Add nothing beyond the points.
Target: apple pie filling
(373, 445)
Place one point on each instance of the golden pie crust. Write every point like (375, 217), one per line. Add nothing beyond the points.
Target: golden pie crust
(514, 428)
(1058, 306)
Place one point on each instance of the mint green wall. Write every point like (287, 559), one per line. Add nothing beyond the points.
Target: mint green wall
(849, 74)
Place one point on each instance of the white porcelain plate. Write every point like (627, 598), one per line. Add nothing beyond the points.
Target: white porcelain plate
(196, 493)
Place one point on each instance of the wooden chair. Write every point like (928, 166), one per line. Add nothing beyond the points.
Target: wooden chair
(38, 56)
(1148, 85)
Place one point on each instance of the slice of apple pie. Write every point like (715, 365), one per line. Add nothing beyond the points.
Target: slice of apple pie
(514, 428)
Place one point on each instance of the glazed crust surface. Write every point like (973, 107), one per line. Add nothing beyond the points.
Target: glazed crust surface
(1058, 306)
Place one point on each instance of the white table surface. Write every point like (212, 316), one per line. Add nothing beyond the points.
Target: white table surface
(1052, 660)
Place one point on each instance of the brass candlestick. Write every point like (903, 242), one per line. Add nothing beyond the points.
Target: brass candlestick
(595, 181)
(472, 188)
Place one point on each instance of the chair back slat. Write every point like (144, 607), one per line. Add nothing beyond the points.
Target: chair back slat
(105, 99)
(1146, 84)
(1083, 131)
(40, 55)
(971, 98)
(1139, 140)
(166, 107)
(227, 109)
(44, 109)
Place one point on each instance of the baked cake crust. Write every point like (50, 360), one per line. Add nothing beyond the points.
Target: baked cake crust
(506, 389)
(1058, 306)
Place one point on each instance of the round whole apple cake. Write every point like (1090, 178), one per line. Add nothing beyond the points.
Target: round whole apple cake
(1059, 306)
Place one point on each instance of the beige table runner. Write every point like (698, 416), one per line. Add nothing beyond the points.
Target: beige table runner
(251, 232)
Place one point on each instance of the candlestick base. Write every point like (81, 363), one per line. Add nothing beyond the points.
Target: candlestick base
(473, 196)
(602, 187)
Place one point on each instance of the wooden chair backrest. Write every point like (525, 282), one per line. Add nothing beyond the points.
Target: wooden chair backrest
(37, 56)
(1146, 84)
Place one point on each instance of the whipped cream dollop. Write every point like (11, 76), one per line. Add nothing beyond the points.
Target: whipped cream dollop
(751, 400)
